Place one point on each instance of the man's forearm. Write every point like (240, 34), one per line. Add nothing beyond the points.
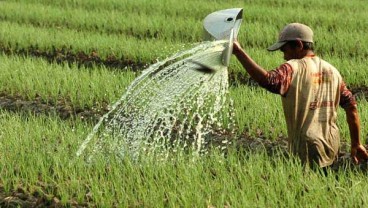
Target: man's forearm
(354, 125)
(254, 70)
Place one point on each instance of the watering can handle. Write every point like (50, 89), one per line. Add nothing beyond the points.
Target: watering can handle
(226, 54)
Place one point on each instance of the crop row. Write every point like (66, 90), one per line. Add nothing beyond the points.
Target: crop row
(87, 88)
(108, 22)
(18, 37)
(83, 87)
(128, 21)
(40, 160)
(139, 36)
(196, 7)
(38, 153)
(352, 69)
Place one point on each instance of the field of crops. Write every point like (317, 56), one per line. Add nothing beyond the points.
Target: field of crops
(63, 63)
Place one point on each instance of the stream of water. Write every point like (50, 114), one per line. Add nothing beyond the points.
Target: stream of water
(175, 104)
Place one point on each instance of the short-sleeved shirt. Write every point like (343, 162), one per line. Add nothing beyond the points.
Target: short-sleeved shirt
(278, 82)
(311, 90)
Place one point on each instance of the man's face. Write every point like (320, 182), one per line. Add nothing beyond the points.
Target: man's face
(288, 52)
(293, 52)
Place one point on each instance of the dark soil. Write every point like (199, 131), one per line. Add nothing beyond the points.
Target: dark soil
(66, 110)
(66, 55)
(62, 108)
(23, 198)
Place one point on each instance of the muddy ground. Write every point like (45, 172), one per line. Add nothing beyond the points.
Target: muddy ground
(65, 110)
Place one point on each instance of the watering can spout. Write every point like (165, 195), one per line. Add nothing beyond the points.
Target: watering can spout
(224, 25)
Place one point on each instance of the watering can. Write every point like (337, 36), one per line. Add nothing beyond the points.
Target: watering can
(222, 25)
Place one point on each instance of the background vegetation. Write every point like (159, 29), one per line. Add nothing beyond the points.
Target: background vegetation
(85, 53)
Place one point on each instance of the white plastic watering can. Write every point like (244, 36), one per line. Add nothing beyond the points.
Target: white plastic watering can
(222, 25)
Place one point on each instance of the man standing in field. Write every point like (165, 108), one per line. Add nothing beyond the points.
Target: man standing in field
(311, 90)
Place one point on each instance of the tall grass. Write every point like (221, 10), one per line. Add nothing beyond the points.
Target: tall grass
(83, 87)
(18, 37)
(40, 158)
(120, 27)
(254, 107)
(37, 153)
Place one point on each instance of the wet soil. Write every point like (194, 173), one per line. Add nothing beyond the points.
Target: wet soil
(66, 110)
(62, 108)
(23, 198)
(66, 55)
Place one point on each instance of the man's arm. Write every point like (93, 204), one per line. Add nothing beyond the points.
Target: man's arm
(358, 152)
(276, 81)
(254, 70)
(348, 102)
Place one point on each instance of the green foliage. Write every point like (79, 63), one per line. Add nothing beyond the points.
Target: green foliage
(37, 153)
(29, 78)
(40, 157)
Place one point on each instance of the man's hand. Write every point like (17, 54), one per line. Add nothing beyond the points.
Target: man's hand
(236, 47)
(359, 154)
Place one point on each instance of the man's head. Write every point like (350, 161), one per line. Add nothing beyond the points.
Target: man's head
(294, 39)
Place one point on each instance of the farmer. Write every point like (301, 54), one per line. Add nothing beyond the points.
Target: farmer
(311, 90)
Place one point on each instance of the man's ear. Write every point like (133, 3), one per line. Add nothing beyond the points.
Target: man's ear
(300, 45)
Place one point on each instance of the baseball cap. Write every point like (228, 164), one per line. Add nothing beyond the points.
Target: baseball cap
(293, 31)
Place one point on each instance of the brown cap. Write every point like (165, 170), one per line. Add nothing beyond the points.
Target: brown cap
(293, 31)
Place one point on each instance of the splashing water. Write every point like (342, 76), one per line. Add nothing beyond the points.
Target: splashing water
(173, 104)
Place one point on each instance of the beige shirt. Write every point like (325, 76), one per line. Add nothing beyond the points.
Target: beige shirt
(311, 91)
